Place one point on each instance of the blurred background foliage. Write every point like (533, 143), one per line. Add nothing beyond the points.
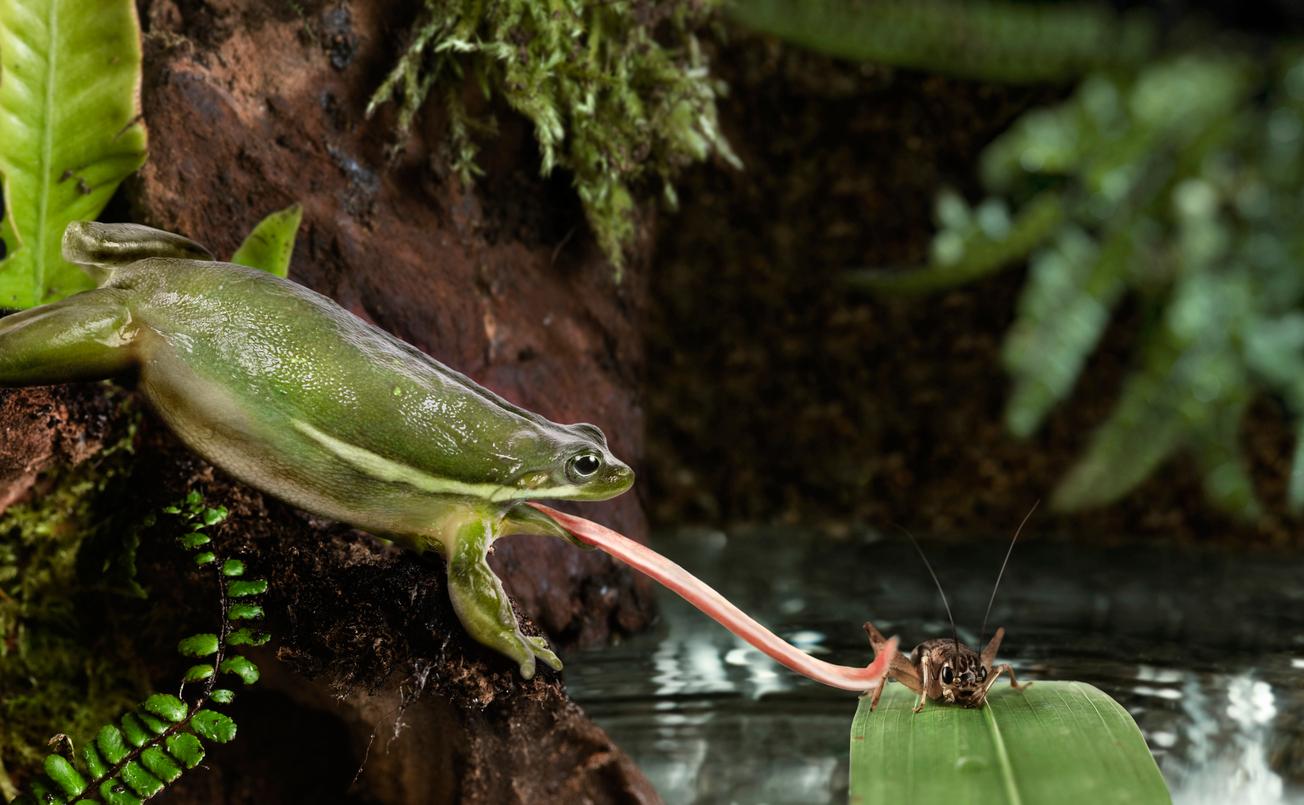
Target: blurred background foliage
(1171, 177)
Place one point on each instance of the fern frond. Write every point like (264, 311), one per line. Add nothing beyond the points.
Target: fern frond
(152, 746)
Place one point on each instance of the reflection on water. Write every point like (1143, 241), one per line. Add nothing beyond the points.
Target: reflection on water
(1204, 648)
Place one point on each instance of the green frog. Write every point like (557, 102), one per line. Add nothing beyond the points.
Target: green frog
(292, 394)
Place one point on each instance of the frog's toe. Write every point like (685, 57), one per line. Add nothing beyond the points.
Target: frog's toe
(541, 650)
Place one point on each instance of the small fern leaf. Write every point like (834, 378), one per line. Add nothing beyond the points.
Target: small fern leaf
(233, 568)
(241, 667)
(185, 748)
(214, 726)
(200, 645)
(245, 612)
(141, 781)
(222, 696)
(134, 731)
(198, 673)
(166, 707)
(245, 589)
(205, 558)
(111, 744)
(195, 539)
(116, 792)
(154, 724)
(65, 775)
(160, 765)
(95, 764)
(214, 516)
(248, 637)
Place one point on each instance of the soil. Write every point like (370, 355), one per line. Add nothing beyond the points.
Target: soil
(774, 394)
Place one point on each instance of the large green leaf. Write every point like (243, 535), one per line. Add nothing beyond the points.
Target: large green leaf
(70, 131)
(1061, 742)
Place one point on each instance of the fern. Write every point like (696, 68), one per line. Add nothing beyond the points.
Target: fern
(1178, 186)
(152, 746)
(608, 100)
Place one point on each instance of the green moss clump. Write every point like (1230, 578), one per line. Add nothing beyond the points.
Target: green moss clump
(55, 671)
(618, 92)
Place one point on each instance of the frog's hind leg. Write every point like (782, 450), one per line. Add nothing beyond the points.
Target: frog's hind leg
(482, 604)
(89, 336)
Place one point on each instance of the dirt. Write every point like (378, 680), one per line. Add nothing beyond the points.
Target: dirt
(774, 394)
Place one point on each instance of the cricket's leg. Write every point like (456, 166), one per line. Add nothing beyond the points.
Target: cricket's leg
(989, 652)
(1000, 669)
(481, 603)
(901, 669)
(925, 682)
(88, 336)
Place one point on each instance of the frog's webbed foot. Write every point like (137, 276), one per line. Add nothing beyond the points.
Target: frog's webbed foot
(482, 604)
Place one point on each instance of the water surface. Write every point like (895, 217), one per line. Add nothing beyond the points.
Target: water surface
(1204, 647)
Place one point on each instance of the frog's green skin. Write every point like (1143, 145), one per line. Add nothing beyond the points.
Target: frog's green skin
(294, 395)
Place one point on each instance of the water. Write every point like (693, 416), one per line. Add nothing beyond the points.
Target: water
(1204, 647)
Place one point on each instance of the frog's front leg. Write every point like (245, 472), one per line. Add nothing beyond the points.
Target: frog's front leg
(481, 603)
(89, 336)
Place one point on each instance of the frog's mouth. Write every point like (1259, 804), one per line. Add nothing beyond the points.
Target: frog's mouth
(523, 518)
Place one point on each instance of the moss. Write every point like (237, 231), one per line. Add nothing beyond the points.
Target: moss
(60, 671)
(618, 92)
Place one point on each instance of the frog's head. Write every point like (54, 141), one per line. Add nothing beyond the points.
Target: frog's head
(576, 465)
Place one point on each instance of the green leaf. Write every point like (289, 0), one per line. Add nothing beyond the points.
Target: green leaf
(271, 244)
(134, 731)
(214, 726)
(186, 749)
(167, 707)
(248, 637)
(110, 743)
(200, 645)
(115, 792)
(70, 131)
(233, 568)
(205, 558)
(94, 763)
(65, 775)
(198, 673)
(1061, 742)
(141, 781)
(244, 589)
(214, 516)
(241, 667)
(194, 540)
(222, 696)
(245, 612)
(160, 765)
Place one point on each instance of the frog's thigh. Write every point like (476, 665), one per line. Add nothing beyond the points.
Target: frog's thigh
(84, 337)
(482, 605)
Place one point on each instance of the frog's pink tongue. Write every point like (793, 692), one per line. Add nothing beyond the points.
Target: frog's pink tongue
(699, 594)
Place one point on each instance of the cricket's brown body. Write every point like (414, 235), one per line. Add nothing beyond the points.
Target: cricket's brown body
(945, 669)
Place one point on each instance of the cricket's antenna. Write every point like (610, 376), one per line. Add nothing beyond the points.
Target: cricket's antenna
(982, 633)
(954, 634)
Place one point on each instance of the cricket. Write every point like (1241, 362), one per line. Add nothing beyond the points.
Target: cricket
(948, 670)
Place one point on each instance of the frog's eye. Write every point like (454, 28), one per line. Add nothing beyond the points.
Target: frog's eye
(584, 466)
(947, 676)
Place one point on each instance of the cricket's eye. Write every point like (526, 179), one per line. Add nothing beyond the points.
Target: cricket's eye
(982, 674)
(947, 676)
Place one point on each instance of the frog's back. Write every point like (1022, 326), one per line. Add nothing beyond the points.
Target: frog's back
(279, 362)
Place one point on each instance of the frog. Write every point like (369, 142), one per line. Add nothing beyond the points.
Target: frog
(288, 392)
